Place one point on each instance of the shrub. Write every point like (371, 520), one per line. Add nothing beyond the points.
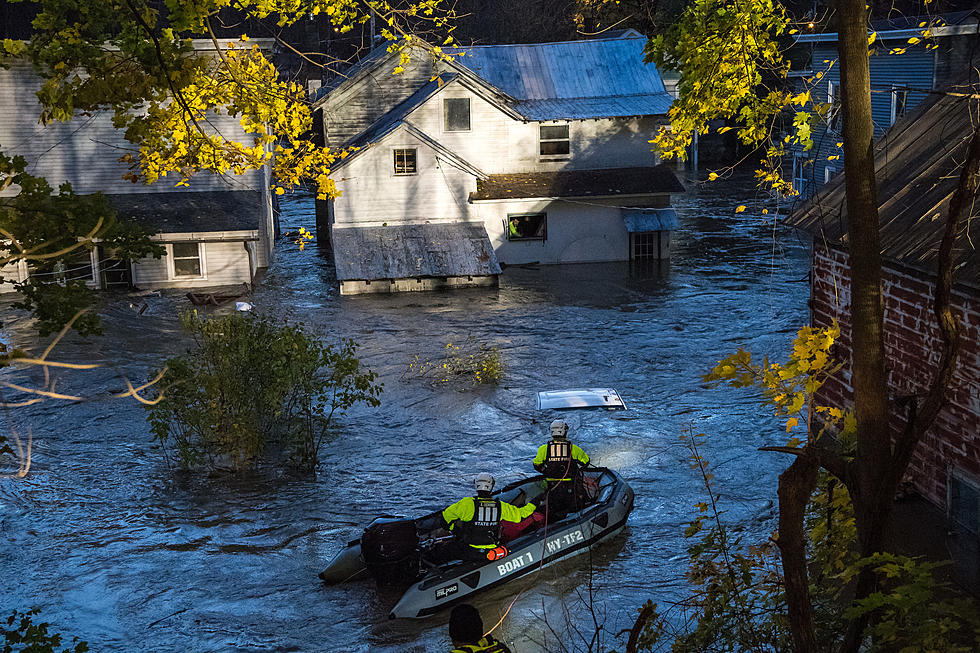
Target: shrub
(478, 365)
(251, 392)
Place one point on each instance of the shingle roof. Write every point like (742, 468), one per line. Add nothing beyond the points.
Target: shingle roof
(192, 211)
(596, 78)
(579, 183)
(416, 250)
(917, 165)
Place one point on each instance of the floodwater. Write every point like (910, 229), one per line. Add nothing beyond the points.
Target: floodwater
(116, 548)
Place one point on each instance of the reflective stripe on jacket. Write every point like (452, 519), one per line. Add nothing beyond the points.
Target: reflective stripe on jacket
(482, 531)
(485, 645)
(559, 460)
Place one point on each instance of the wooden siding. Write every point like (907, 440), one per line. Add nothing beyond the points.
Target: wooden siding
(85, 151)
(226, 263)
(497, 143)
(351, 108)
(373, 194)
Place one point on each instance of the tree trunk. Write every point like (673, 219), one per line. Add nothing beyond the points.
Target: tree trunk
(868, 483)
(795, 487)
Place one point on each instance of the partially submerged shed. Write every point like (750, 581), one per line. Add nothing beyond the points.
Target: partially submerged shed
(414, 257)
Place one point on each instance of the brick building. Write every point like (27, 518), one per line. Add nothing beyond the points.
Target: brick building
(918, 164)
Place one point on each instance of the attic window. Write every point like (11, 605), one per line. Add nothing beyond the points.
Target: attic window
(405, 162)
(456, 112)
(554, 141)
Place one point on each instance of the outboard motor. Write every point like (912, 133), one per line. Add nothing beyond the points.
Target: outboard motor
(390, 547)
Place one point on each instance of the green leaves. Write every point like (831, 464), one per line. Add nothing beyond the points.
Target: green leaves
(252, 392)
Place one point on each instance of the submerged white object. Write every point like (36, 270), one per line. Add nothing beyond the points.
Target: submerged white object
(580, 398)
(243, 306)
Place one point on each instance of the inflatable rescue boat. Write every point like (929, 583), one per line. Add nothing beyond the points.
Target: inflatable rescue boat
(399, 551)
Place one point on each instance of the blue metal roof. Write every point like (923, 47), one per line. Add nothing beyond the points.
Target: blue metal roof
(644, 220)
(599, 78)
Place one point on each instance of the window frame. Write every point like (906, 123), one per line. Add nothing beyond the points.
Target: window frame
(521, 239)
(834, 118)
(800, 174)
(827, 170)
(956, 475)
(172, 262)
(394, 161)
(896, 90)
(567, 139)
(445, 114)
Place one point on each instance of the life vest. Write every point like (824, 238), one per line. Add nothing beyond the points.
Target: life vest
(558, 462)
(485, 645)
(483, 531)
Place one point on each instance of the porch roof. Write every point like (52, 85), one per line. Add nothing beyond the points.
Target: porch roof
(191, 211)
(610, 182)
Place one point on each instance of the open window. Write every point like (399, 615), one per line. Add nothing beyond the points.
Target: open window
(406, 162)
(527, 226)
(186, 260)
(554, 142)
(456, 114)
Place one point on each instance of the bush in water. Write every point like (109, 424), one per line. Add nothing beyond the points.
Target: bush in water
(251, 391)
(20, 633)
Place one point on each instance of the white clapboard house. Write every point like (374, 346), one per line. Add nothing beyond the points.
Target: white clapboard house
(508, 154)
(218, 231)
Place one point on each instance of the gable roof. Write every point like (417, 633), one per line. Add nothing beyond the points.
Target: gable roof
(396, 118)
(596, 78)
(917, 166)
(903, 27)
(571, 80)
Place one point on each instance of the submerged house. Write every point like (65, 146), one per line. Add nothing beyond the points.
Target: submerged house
(507, 154)
(217, 231)
(902, 75)
(918, 164)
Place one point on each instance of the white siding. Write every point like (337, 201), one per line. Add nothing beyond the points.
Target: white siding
(577, 233)
(12, 273)
(373, 194)
(226, 263)
(499, 144)
(85, 151)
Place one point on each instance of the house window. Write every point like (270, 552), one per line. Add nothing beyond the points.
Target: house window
(527, 226)
(834, 100)
(646, 245)
(554, 141)
(964, 501)
(800, 173)
(900, 96)
(188, 260)
(456, 114)
(405, 163)
(829, 172)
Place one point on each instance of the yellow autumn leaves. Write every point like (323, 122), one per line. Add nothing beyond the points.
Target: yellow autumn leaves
(789, 388)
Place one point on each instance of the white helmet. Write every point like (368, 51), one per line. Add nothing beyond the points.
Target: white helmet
(559, 429)
(484, 482)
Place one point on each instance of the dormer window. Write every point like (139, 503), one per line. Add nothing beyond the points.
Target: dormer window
(405, 162)
(456, 113)
(554, 142)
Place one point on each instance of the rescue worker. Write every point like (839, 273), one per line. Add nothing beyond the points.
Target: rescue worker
(466, 632)
(475, 521)
(561, 462)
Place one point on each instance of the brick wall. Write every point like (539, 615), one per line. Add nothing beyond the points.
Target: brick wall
(912, 351)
